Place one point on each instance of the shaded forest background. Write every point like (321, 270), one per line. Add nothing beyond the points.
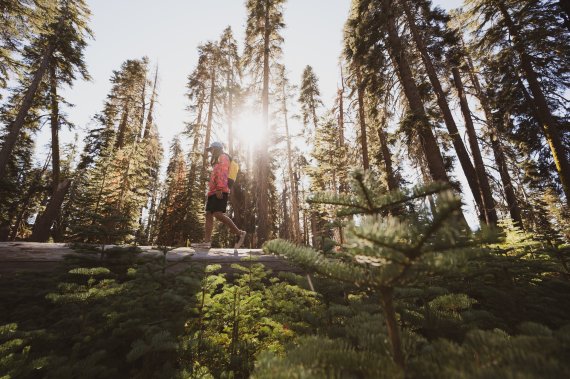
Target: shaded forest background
(476, 98)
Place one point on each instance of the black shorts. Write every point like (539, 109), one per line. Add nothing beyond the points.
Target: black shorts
(213, 204)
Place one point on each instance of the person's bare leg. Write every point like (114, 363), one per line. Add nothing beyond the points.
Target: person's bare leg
(228, 222)
(209, 227)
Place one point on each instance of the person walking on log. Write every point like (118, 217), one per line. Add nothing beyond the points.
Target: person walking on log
(218, 193)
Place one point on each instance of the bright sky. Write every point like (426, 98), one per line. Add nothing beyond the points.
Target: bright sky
(169, 31)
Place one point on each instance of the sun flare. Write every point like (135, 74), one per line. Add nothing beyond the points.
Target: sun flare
(248, 129)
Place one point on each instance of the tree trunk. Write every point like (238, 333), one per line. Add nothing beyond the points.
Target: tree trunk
(362, 120)
(209, 122)
(386, 294)
(120, 142)
(263, 227)
(546, 119)
(149, 117)
(54, 123)
(27, 102)
(343, 185)
(294, 199)
(459, 146)
(427, 139)
(495, 134)
(230, 86)
(487, 196)
(44, 222)
(387, 157)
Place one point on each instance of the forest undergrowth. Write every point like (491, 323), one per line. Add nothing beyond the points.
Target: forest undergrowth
(414, 296)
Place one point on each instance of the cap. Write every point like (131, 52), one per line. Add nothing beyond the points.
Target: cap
(216, 145)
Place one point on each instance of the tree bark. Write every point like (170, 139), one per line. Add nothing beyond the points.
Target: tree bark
(487, 196)
(27, 102)
(343, 185)
(209, 121)
(546, 119)
(459, 146)
(230, 85)
(149, 117)
(495, 135)
(263, 227)
(44, 222)
(386, 294)
(54, 123)
(120, 142)
(294, 199)
(362, 121)
(427, 139)
(386, 156)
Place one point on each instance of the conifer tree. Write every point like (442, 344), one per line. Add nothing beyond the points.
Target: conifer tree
(15, 17)
(64, 34)
(171, 230)
(119, 164)
(284, 95)
(262, 48)
(475, 174)
(231, 70)
(509, 31)
(310, 101)
(380, 19)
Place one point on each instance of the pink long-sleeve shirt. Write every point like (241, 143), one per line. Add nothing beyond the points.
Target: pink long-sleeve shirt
(219, 176)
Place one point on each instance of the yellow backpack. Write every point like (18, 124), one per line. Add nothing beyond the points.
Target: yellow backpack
(232, 175)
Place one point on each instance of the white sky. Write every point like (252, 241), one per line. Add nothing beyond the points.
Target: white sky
(169, 31)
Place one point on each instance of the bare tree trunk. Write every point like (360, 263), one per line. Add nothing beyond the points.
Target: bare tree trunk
(120, 142)
(427, 139)
(461, 151)
(209, 122)
(387, 296)
(362, 120)
(149, 117)
(27, 102)
(230, 85)
(386, 156)
(495, 134)
(44, 222)
(54, 123)
(263, 227)
(546, 119)
(487, 196)
(294, 198)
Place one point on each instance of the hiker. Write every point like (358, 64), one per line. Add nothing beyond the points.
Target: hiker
(218, 193)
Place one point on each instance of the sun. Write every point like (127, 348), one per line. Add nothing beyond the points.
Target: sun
(248, 128)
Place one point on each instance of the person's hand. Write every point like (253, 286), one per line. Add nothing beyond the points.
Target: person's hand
(219, 194)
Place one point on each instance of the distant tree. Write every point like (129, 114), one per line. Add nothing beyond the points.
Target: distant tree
(231, 70)
(171, 230)
(59, 44)
(284, 95)
(423, 16)
(310, 100)
(532, 40)
(262, 47)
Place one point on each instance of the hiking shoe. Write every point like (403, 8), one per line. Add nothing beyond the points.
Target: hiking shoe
(241, 239)
(202, 245)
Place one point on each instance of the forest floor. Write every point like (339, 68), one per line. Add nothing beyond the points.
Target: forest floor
(34, 256)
